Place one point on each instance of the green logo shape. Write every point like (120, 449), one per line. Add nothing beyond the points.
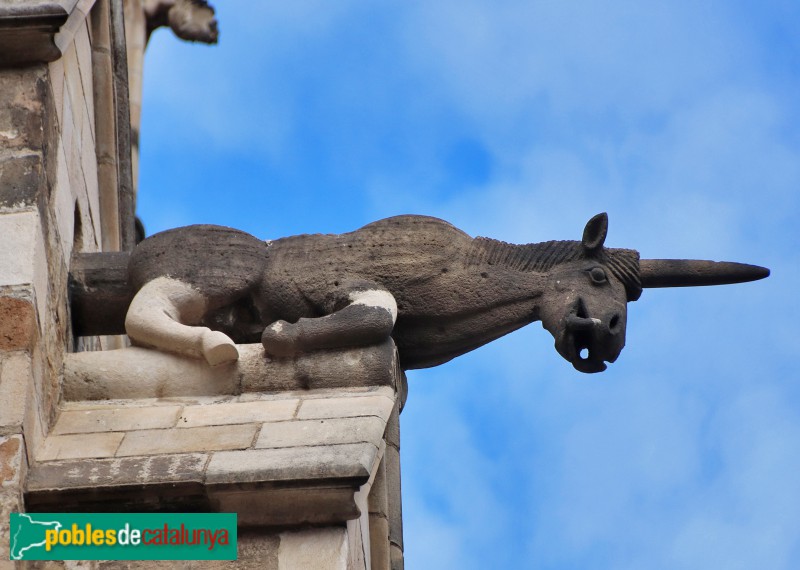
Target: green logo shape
(123, 536)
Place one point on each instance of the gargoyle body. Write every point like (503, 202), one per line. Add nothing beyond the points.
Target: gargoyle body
(438, 292)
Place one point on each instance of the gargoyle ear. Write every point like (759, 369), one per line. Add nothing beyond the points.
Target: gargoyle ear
(594, 234)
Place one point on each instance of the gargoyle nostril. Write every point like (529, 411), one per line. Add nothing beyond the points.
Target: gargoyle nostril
(614, 323)
(580, 309)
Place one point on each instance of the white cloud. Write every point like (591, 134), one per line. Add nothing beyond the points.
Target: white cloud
(683, 454)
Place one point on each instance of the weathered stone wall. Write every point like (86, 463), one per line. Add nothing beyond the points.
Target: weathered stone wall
(49, 205)
(63, 161)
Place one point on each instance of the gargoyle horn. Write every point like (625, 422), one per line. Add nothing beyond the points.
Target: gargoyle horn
(695, 272)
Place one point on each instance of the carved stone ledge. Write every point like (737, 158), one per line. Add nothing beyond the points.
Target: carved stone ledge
(36, 31)
(277, 459)
(143, 373)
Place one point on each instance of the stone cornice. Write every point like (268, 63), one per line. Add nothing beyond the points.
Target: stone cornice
(38, 31)
(281, 458)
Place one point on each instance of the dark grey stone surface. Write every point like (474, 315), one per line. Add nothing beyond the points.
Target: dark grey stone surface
(453, 293)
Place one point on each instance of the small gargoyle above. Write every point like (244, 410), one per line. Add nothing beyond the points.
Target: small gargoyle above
(438, 292)
(190, 20)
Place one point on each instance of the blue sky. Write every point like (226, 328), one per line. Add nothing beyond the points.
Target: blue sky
(519, 121)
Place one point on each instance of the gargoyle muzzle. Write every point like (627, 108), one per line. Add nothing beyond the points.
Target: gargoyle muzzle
(589, 342)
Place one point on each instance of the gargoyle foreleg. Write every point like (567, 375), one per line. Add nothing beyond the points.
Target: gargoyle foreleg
(161, 315)
(368, 319)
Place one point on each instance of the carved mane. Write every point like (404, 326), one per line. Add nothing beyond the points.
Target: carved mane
(544, 256)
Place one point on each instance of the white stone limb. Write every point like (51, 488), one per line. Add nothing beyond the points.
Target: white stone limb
(376, 298)
(161, 316)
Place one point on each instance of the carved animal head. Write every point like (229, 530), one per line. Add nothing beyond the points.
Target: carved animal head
(193, 21)
(584, 301)
(190, 20)
(584, 304)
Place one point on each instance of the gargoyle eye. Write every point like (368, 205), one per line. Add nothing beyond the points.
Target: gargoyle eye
(598, 275)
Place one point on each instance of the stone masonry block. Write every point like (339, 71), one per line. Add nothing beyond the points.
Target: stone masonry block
(314, 548)
(79, 446)
(212, 438)
(257, 549)
(83, 50)
(119, 419)
(292, 463)
(398, 562)
(11, 461)
(306, 394)
(379, 545)
(15, 377)
(21, 106)
(394, 495)
(393, 427)
(378, 502)
(19, 247)
(74, 86)
(238, 413)
(64, 204)
(321, 432)
(117, 471)
(33, 426)
(20, 180)
(380, 406)
(56, 70)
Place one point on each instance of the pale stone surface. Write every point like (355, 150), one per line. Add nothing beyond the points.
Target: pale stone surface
(74, 88)
(363, 498)
(154, 319)
(380, 548)
(284, 464)
(14, 381)
(342, 392)
(56, 71)
(83, 49)
(398, 561)
(33, 427)
(378, 502)
(139, 403)
(118, 471)
(22, 256)
(394, 495)
(358, 551)
(79, 446)
(380, 406)
(257, 550)
(64, 204)
(151, 442)
(21, 248)
(314, 549)
(142, 373)
(119, 419)
(239, 413)
(321, 432)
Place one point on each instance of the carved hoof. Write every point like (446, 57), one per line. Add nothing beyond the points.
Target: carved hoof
(218, 348)
(280, 339)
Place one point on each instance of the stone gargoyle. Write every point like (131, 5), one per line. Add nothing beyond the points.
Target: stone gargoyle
(190, 20)
(438, 292)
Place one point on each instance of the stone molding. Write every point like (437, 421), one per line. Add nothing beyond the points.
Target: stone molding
(38, 31)
(135, 372)
(288, 458)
